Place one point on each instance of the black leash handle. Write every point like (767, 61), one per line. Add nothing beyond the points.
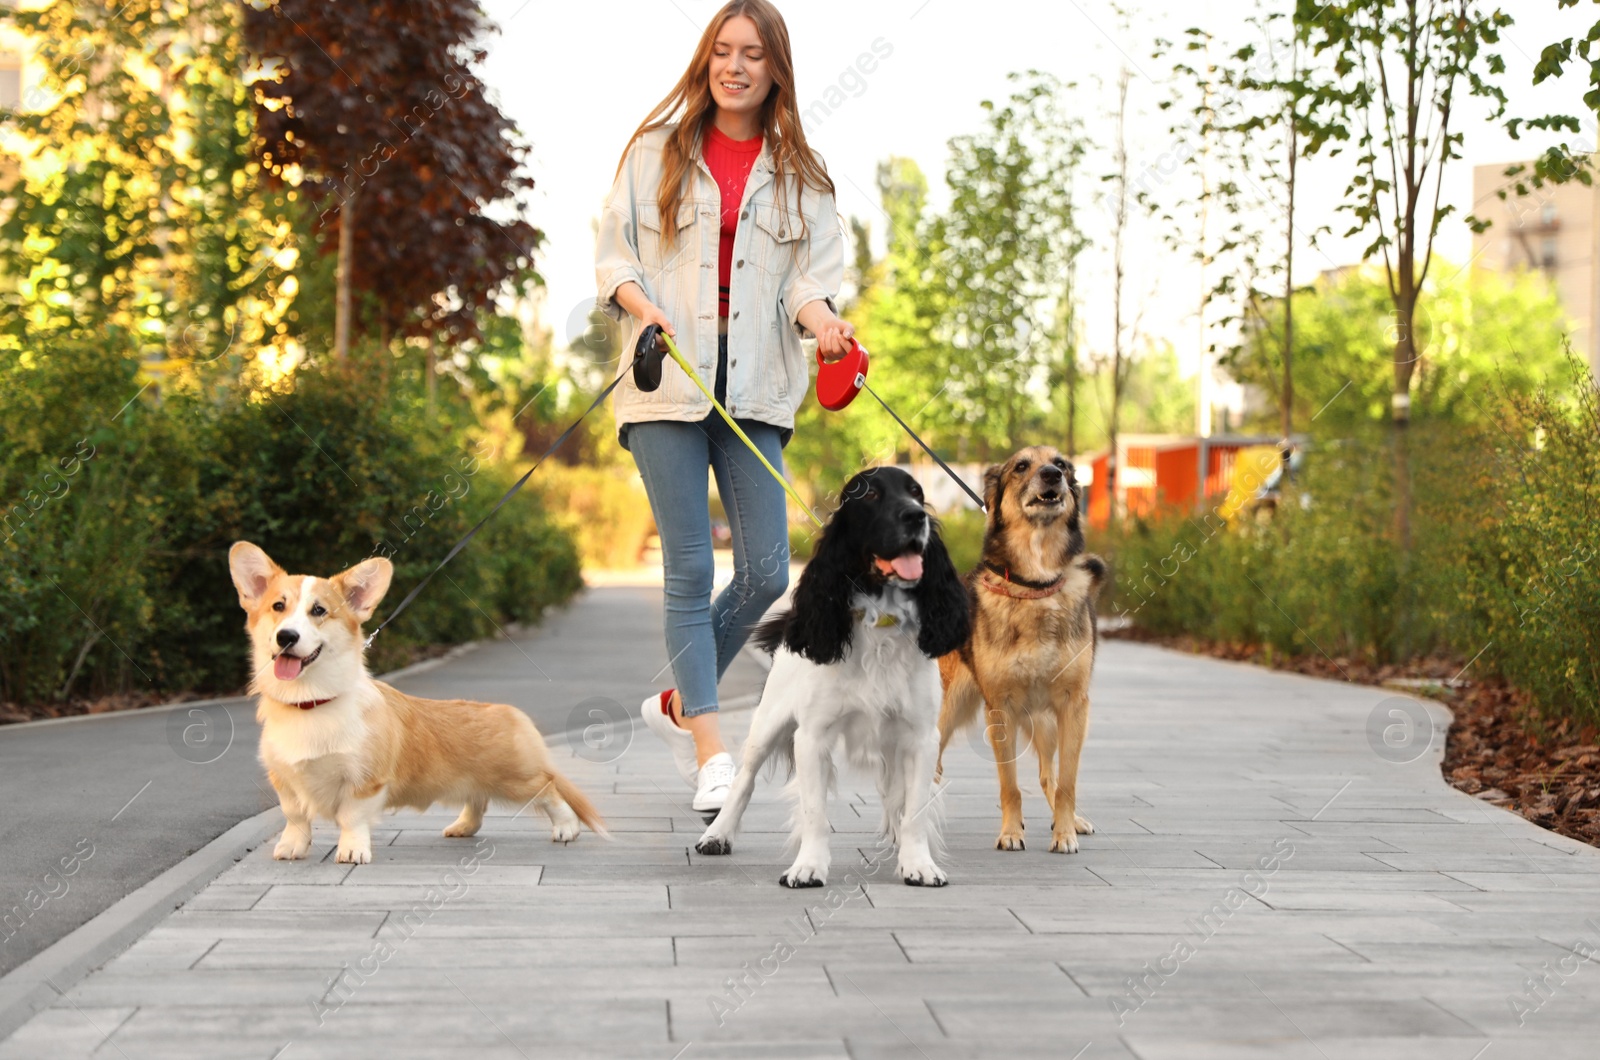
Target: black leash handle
(512, 492)
(907, 428)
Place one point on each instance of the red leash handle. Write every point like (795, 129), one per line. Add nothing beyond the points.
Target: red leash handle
(840, 381)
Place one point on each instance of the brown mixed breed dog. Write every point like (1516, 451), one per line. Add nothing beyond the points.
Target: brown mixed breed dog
(338, 744)
(1033, 639)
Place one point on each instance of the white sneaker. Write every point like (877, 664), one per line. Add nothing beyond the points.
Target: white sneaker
(716, 777)
(678, 739)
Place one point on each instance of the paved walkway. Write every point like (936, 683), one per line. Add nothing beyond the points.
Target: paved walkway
(1267, 881)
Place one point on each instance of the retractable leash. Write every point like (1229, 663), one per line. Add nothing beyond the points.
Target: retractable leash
(840, 381)
(647, 365)
(412, 595)
(837, 385)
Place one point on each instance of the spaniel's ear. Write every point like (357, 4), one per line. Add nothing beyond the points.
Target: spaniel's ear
(819, 624)
(944, 610)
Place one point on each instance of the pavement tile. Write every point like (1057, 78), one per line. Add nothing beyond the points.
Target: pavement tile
(227, 897)
(854, 1015)
(251, 924)
(1000, 1042)
(452, 1022)
(445, 951)
(1297, 1047)
(65, 1031)
(725, 951)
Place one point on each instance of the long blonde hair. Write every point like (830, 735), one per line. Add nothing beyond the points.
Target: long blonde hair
(780, 116)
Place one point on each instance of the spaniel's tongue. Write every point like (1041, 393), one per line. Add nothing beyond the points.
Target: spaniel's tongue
(286, 667)
(907, 567)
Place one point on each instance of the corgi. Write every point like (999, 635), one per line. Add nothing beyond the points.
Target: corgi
(340, 745)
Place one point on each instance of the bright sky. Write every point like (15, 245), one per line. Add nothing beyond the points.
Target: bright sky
(579, 77)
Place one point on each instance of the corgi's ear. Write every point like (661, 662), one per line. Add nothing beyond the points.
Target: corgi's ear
(252, 569)
(364, 585)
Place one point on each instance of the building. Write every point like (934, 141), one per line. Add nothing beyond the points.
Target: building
(13, 55)
(1554, 230)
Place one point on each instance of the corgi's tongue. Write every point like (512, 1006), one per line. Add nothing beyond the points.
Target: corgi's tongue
(287, 667)
(907, 567)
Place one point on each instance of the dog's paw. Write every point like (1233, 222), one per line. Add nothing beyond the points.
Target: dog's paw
(925, 875)
(804, 876)
(461, 831)
(564, 832)
(1010, 841)
(354, 854)
(290, 850)
(1082, 825)
(713, 844)
(1064, 844)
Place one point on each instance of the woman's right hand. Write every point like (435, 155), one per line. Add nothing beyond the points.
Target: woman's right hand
(631, 297)
(653, 315)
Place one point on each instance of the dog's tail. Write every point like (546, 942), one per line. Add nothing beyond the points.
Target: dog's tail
(574, 797)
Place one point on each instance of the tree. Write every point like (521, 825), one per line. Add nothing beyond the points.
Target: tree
(1006, 249)
(1121, 360)
(1488, 334)
(1252, 114)
(1401, 69)
(134, 205)
(1565, 162)
(376, 110)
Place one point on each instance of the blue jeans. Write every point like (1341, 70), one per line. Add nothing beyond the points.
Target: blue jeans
(703, 635)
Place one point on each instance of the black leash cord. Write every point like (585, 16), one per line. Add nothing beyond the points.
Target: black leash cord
(907, 428)
(412, 595)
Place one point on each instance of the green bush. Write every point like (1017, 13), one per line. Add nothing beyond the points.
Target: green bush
(1528, 591)
(89, 478)
(121, 581)
(1501, 568)
(1322, 577)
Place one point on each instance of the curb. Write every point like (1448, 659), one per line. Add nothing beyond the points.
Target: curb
(156, 708)
(36, 983)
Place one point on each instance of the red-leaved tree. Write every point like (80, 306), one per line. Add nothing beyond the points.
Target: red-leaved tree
(377, 106)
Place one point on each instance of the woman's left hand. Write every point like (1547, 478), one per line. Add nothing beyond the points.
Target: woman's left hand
(833, 335)
(833, 338)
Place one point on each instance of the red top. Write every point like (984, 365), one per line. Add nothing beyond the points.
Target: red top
(730, 161)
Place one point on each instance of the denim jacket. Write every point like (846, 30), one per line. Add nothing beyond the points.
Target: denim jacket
(775, 273)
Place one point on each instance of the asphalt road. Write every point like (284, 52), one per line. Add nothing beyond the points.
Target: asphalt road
(90, 810)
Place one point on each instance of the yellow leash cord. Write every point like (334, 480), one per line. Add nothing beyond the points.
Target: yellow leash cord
(672, 349)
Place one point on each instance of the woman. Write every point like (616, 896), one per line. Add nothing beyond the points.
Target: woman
(730, 189)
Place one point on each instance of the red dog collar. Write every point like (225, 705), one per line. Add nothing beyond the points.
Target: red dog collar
(308, 704)
(1003, 585)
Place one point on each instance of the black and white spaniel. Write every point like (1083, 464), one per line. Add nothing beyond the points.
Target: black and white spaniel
(854, 666)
